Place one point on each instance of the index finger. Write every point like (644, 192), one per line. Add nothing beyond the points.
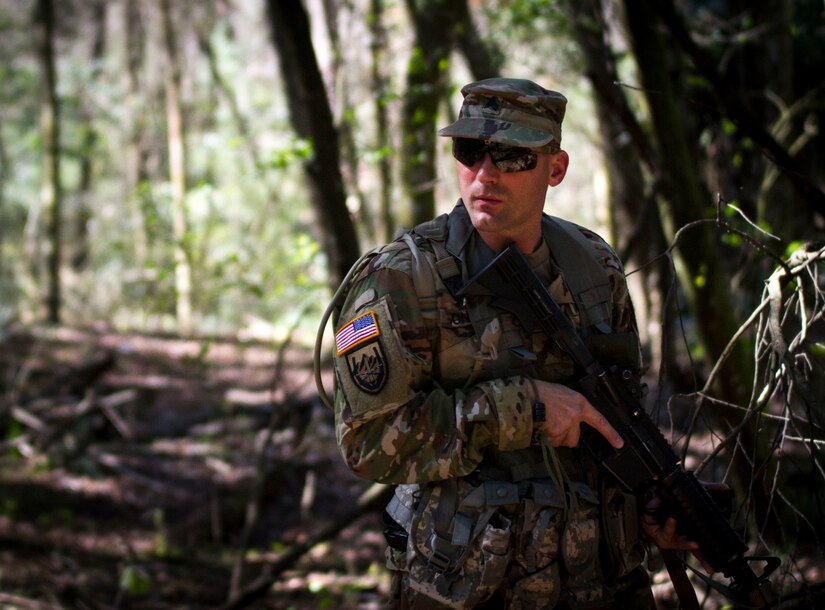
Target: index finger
(600, 423)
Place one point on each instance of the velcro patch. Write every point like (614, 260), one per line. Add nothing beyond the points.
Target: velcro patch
(368, 367)
(355, 332)
(374, 374)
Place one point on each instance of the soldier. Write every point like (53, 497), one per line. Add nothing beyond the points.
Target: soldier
(451, 398)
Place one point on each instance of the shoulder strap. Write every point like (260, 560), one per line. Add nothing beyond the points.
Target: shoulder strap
(435, 233)
(583, 273)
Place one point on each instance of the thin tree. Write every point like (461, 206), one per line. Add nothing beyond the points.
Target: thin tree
(440, 26)
(177, 174)
(427, 71)
(378, 78)
(80, 254)
(741, 112)
(346, 126)
(634, 216)
(136, 171)
(483, 57)
(50, 128)
(4, 177)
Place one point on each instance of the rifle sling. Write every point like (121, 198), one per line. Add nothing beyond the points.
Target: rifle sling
(679, 578)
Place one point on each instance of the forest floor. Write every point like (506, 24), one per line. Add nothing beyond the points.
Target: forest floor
(130, 461)
(130, 470)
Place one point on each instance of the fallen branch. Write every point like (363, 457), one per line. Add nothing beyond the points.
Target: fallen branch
(374, 498)
(115, 464)
(16, 601)
(253, 507)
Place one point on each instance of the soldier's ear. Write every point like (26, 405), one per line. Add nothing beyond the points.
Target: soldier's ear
(558, 167)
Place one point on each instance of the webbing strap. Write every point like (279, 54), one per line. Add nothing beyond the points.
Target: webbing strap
(679, 579)
(583, 273)
(435, 232)
(423, 279)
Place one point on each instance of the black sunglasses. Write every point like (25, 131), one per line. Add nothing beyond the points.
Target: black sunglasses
(507, 159)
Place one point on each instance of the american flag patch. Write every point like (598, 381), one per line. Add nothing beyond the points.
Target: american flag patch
(361, 329)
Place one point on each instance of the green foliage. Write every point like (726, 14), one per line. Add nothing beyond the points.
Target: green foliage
(9, 507)
(134, 580)
(160, 540)
(297, 150)
(536, 36)
(247, 204)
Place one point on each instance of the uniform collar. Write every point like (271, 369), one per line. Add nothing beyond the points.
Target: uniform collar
(465, 244)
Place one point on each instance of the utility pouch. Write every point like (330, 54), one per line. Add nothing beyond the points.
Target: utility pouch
(459, 544)
(622, 549)
(541, 532)
(580, 539)
(541, 527)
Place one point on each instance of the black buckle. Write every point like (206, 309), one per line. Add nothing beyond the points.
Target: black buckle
(439, 561)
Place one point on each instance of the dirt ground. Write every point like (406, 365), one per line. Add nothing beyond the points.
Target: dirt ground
(135, 471)
(142, 502)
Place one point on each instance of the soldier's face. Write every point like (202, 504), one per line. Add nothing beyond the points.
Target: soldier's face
(507, 207)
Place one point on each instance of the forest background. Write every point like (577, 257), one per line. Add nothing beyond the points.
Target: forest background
(182, 185)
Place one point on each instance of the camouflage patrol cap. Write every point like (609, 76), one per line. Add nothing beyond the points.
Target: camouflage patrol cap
(510, 111)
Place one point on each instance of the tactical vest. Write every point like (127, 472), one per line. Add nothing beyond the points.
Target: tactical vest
(571, 249)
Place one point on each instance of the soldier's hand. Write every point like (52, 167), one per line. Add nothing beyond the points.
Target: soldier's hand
(666, 536)
(566, 410)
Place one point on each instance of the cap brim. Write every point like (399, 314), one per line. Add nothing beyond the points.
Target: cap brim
(497, 131)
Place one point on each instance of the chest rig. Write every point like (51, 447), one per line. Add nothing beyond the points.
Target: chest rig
(441, 266)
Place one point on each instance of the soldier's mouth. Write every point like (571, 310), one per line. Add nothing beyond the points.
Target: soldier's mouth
(487, 199)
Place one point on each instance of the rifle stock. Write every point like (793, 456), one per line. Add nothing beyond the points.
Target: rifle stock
(646, 465)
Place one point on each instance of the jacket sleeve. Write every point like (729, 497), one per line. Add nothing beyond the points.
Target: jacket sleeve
(394, 423)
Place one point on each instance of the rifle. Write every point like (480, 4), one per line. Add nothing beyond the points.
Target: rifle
(646, 465)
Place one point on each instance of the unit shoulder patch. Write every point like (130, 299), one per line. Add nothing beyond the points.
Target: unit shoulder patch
(368, 367)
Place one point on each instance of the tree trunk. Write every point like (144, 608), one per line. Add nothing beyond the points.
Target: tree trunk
(50, 127)
(350, 153)
(225, 88)
(380, 92)
(4, 177)
(699, 258)
(740, 111)
(635, 223)
(83, 214)
(440, 25)
(312, 120)
(485, 61)
(427, 71)
(136, 172)
(705, 278)
(177, 175)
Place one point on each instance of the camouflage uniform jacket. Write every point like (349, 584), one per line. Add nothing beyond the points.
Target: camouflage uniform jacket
(433, 389)
(418, 419)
